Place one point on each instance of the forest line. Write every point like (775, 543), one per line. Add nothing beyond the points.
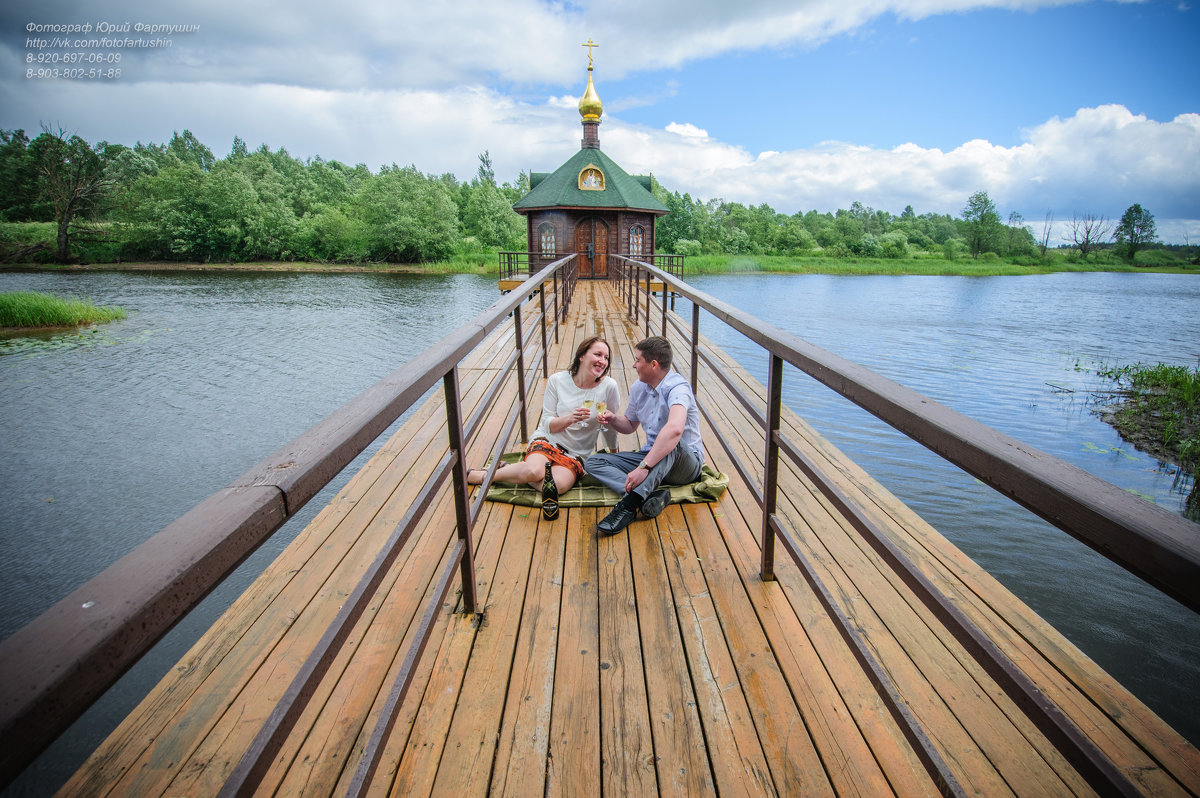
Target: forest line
(65, 200)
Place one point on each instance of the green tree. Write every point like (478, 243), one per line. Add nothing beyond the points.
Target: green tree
(188, 149)
(679, 224)
(410, 218)
(163, 216)
(1135, 230)
(792, 238)
(73, 178)
(981, 223)
(868, 247)
(894, 244)
(488, 214)
(19, 200)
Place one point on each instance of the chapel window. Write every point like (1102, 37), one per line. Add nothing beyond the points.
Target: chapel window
(637, 237)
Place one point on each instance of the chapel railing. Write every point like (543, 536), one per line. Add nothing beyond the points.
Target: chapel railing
(519, 264)
(54, 668)
(1158, 546)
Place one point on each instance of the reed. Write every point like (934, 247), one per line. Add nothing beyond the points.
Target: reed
(1158, 410)
(29, 309)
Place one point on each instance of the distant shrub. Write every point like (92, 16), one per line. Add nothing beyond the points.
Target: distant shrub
(954, 248)
(27, 241)
(894, 245)
(989, 257)
(688, 247)
(1157, 257)
(868, 247)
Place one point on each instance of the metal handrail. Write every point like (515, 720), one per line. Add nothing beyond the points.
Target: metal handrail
(1165, 548)
(55, 667)
(1159, 546)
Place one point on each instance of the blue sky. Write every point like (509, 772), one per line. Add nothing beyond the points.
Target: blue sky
(1049, 105)
(938, 81)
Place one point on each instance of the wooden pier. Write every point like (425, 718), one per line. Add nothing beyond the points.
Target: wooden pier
(656, 662)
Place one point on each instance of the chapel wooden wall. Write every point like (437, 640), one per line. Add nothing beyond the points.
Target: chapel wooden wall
(565, 221)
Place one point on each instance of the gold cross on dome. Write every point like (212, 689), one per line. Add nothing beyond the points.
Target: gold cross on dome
(589, 44)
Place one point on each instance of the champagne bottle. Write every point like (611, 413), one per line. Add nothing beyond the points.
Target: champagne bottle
(549, 496)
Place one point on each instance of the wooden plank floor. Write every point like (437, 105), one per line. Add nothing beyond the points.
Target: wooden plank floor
(656, 662)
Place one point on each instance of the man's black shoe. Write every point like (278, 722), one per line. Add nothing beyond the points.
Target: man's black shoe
(655, 503)
(620, 517)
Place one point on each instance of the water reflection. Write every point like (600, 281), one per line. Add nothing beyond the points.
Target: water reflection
(1006, 352)
(111, 433)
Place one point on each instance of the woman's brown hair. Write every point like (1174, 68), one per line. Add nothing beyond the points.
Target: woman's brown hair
(583, 350)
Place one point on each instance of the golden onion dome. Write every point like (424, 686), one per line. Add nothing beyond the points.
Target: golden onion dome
(590, 106)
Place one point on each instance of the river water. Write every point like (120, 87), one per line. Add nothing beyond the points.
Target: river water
(113, 432)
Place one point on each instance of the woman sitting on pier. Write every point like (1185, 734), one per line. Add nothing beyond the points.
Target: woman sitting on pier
(569, 429)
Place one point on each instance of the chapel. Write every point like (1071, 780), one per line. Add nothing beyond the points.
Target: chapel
(589, 205)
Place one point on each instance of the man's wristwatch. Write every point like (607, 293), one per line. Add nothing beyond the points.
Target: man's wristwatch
(644, 465)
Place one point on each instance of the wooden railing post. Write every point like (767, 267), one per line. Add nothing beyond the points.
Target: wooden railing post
(545, 350)
(520, 342)
(695, 346)
(663, 326)
(633, 301)
(649, 277)
(557, 292)
(771, 465)
(462, 510)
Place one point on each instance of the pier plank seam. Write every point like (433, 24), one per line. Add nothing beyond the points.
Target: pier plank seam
(892, 658)
(205, 656)
(694, 575)
(1139, 772)
(221, 741)
(424, 433)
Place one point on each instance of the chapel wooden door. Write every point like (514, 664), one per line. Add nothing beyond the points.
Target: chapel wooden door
(591, 244)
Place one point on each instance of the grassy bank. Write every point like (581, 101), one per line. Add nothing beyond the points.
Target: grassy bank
(1157, 409)
(922, 265)
(35, 240)
(486, 263)
(31, 310)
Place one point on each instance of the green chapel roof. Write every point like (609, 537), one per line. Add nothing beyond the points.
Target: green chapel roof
(560, 188)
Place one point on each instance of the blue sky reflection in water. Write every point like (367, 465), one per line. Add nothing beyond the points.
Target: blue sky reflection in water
(1001, 350)
(115, 430)
(112, 433)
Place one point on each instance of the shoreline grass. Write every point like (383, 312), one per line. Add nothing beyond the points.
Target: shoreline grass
(1157, 409)
(486, 263)
(927, 266)
(32, 310)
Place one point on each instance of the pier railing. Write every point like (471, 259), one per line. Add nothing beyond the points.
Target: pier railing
(52, 670)
(1159, 546)
(516, 264)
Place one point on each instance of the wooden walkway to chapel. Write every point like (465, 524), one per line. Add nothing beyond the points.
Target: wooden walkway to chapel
(656, 662)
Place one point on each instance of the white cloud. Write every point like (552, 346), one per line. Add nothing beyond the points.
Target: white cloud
(409, 83)
(365, 44)
(687, 130)
(1101, 160)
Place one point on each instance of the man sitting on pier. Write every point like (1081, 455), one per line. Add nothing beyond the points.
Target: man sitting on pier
(662, 402)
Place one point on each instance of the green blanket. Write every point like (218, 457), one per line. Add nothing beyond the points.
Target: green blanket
(587, 492)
